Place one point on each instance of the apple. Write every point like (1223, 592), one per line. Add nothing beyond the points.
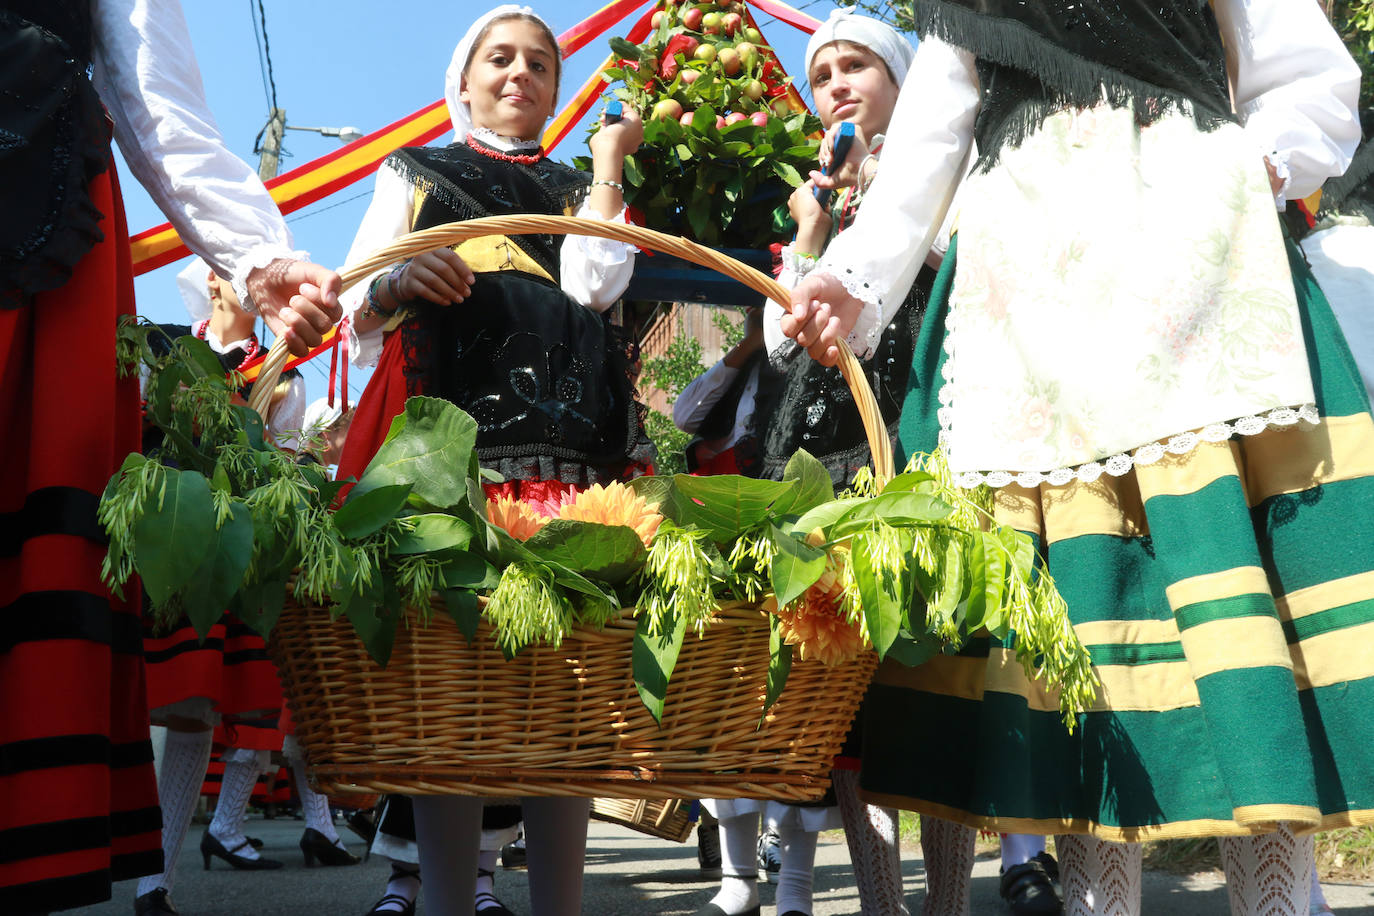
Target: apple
(689, 45)
(710, 23)
(720, 122)
(753, 90)
(748, 54)
(657, 19)
(692, 18)
(667, 109)
(729, 61)
(705, 52)
(731, 22)
(754, 35)
(760, 118)
(686, 119)
(690, 76)
(781, 106)
(735, 117)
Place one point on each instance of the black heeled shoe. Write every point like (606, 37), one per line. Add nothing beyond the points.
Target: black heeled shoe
(316, 846)
(407, 906)
(155, 903)
(486, 902)
(209, 846)
(1027, 889)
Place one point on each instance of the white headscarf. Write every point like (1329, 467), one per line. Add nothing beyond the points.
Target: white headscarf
(319, 416)
(195, 292)
(879, 37)
(458, 110)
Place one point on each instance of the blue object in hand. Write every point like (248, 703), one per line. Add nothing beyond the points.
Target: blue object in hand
(844, 139)
(615, 110)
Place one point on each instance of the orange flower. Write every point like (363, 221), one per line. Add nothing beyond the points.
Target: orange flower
(516, 517)
(614, 504)
(817, 625)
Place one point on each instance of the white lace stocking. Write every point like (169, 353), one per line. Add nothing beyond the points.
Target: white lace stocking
(874, 849)
(947, 849)
(1099, 878)
(1268, 875)
(179, 779)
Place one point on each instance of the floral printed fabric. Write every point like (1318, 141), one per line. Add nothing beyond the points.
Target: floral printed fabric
(1116, 286)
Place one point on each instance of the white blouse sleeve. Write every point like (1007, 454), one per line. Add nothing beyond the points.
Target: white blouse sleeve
(1296, 88)
(702, 394)
(388, 217)
(595, 271)
(288, 417)
(147, 76)
(932, 129)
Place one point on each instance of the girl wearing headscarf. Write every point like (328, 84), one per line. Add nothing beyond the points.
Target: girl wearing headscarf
(511, 329)
(1119, 344)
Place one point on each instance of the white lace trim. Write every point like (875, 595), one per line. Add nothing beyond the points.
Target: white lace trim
(502, 142)
(259, 256)
(1120, 464)
(868, 329)
(798, 262)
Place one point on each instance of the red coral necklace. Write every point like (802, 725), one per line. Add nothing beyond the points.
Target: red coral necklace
(521, 158)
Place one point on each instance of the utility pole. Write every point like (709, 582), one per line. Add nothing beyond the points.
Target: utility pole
(271, 144)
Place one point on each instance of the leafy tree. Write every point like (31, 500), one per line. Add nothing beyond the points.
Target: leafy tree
(670, 373)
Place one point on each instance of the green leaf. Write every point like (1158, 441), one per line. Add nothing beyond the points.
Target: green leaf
(911, 481)
(653, 659)
(656, 490)
(825, 515)
(796, 566)
(626, 49)
(217, 579)
(988, 573)
(699, 214)
(171, 542)
(365, 513)
(470, 571)
(252, 432)
(633, 173)
(611, 553)
(199, 358)
(786, 172)
(433, 532)
(901, 508)
(814, 486)
(779, 664)
(220, 479)
(260, 603)
(428, 447)
(373, 620)
(1020, 548)
(462, 606)
(954, 581)
(912, 650)
(728, 504)
(882, 596)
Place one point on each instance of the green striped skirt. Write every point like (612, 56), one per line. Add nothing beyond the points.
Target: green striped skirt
(1227, 599)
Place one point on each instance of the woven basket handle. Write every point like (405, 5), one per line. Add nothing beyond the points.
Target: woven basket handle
(450, 234)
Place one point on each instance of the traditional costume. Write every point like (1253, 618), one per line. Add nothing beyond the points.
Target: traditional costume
(1118, 344)
(77, 789)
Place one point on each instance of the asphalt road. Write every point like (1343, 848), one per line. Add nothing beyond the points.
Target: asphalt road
(628, 874)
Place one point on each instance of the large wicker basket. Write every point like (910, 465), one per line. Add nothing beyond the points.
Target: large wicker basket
(665, 818)
(449, 717)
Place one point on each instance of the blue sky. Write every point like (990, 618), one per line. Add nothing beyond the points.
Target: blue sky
(352, 63)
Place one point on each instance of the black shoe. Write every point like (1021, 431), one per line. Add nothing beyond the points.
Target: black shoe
(407, 906)
(315, 845)
(1048, 863)
(254, 842)
(1028, 891)
(708, 846)
(209, 846)
(487, 903)
(513, 853)
(362, 823)
(711, 909)
(154, 903)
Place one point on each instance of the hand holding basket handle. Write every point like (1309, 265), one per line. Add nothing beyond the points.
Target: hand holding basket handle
(453, 233)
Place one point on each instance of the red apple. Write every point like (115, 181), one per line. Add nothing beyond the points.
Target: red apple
(729, 61)
(760, 118)
(735, 117)
(705, 52)
(667, 109)
(710, 23)
(720, 122)
(657, 19)
(731, 22)
(753, 90)
(690, 76)
(686, 119)
(689, 45)
(692, 18)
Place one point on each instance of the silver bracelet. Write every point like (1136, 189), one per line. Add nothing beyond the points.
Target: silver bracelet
(865, 184)
(610, 184)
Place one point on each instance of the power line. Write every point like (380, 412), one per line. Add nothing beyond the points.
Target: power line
(265, 56)
(262, 61)
(318, 210)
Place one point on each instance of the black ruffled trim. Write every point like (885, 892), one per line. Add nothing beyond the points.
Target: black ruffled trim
(1026, 77)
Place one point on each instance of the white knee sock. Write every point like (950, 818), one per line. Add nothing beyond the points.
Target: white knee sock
(947, 849)
(875, 848)
(1099, 878)
(1269, 875)
(1020, 848)
(797, 848)
(485, 897)
(179, 778)
(739, 874)
(403, 883)
(1317, 899)
(235, 791)
(314, 806)
(555, 848)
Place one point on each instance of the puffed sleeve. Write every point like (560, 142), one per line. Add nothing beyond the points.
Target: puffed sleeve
(702, 394)
(388, 217)
(595, 271)
(150, 83)
(923, 157)
(1296, 88)
(287, 417)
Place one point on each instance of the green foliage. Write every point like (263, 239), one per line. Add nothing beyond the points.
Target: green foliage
(670, 373)
(731, 332)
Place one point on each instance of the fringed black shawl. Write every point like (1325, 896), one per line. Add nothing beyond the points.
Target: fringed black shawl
(1036, 57)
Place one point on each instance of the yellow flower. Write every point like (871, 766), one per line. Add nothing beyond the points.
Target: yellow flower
(817, 624)
(614, 504)
(515, 516)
